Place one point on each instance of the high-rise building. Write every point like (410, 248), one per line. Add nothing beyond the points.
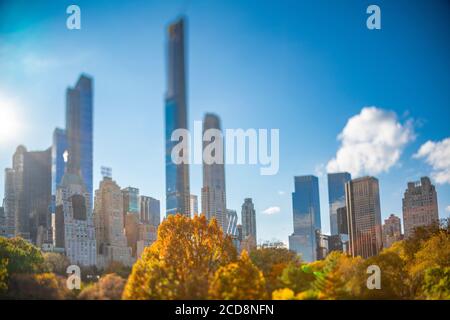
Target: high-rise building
(336, 196)
(420, 207)
(79, 129)
(150, 211)
(131, 201)
(306, 217)
(392, 230)
(364, 217)
(177, 174)
(213, 191)
(147, 234)
(232, 220)
(60, 155)
(194, 204)
(9, 204)
(75, 229)
(109, 231)
(31, 192)
(248, 216)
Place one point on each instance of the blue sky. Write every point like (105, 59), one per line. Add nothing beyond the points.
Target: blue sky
(304, 67)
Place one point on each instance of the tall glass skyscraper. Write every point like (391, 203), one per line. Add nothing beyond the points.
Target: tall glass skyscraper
(213, 190)
(336, 196)
(177, 175)
(79, 129)
(306, 214)
(59, 159)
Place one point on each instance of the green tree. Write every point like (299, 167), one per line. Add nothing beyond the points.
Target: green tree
(238, 281)
(436, 284)
(22, 256)
(182, 261)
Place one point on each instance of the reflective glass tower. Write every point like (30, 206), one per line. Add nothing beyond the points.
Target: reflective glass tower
(306, 214)
(79, 128)
(336, 196)
(177, 175)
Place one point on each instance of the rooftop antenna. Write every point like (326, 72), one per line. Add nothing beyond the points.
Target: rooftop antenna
(106, 172)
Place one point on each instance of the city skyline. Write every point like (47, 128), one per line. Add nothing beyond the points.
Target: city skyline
(403, 169)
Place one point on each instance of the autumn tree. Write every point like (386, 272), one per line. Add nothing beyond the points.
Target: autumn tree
(42, 286)
(109, 287)
(238, 281)
(182, 261)
(272, 261)
(56, 263)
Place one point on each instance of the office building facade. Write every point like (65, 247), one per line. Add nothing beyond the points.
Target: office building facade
(306, 217)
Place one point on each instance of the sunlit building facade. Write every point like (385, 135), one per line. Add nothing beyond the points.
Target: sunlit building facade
(420, 206)
(364, 217)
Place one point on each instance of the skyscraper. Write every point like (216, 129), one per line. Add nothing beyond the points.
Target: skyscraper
(150, 211)
(109, 231)
(213, 191)
(420, 207)
(392, 230)
(79, 129)
(306, 216)
(336, 196)
(59, 159)
(364, 216)
(29, 186)
(248, 216)
(177, 175)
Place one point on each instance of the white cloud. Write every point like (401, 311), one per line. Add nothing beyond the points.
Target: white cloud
(447, 209)
(281, 192)
(371, 142)
(437, 155)
(272, 210)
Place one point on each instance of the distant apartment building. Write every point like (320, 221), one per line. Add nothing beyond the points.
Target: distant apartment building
(392, 230)
(306, 217)
(248, 217)
(75, 229)
(364, 217)
(194, 204)
(150, 211)
(9, 204)
(420, 206)
(108, 213)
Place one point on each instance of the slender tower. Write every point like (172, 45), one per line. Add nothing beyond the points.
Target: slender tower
(213, 191)
(177, 175)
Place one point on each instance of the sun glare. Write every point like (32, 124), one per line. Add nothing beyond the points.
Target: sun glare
(9, 122)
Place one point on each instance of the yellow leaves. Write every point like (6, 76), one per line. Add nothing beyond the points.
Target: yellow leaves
(181, 263)
(239, 280)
